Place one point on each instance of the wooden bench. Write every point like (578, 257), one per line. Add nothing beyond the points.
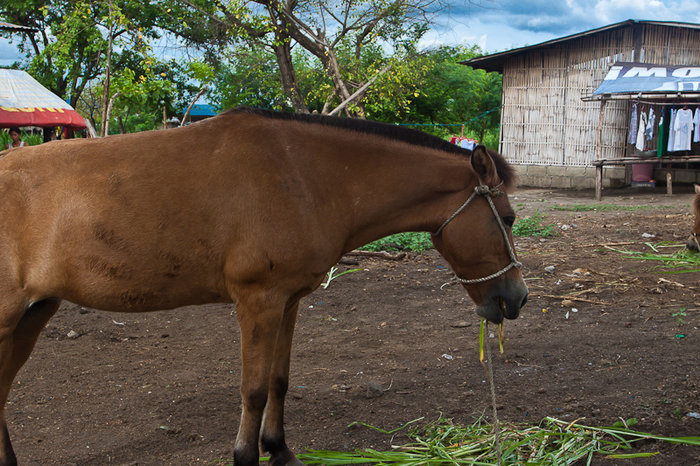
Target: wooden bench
(660, 161)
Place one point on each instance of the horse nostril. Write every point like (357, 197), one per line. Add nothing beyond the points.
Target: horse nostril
(524, 301)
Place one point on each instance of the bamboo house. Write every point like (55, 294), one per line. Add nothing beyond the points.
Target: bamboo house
(554, 128)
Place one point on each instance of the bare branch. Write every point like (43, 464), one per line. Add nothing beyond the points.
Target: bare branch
(360, 90)
(189, 107)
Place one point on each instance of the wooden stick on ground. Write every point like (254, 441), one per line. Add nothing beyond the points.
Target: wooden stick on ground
(380, 254)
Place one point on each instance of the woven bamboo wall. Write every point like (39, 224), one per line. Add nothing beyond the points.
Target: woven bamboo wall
(545, 122)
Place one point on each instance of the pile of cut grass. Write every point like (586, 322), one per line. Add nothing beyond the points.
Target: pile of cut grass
(552, 442)
(678, 260)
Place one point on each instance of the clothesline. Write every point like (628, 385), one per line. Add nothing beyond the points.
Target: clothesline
(683, 127)
(665, 104)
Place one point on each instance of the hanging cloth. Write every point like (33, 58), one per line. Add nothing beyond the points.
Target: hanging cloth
(682, 128)
(662, 136)
(696, 123)
(671, 132)
(649, 130)
(640, 132)
(632, 136)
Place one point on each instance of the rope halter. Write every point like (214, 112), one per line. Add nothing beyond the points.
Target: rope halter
(489, 194)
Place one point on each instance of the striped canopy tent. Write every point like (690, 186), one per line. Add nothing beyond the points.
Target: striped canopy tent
(25, 102)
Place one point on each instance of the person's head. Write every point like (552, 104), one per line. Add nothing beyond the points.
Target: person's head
(15, 134)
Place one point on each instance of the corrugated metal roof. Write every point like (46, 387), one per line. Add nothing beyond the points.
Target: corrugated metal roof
(494, 62)
(14, 27)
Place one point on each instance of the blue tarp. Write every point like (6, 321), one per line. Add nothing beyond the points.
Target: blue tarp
(632, 78)
(205, 110)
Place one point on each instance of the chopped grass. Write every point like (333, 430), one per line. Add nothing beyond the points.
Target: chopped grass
(552, 442)
(679, 261)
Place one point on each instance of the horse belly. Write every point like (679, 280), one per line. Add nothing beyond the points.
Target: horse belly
(111, 261)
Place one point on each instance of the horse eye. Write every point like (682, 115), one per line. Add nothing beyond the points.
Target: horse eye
(509, 220)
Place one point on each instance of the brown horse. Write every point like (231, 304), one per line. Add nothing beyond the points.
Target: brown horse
(693, 244)
(251, 207)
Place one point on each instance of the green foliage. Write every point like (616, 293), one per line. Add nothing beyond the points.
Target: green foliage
(69, 53)
(535, 225)
(680, 314)
(410, 241)
(249, 76)
(241, 47)
(451, 93)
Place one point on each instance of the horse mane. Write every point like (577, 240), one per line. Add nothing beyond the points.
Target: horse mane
(395, 132)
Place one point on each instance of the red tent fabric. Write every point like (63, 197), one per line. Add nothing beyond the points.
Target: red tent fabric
(25, 102)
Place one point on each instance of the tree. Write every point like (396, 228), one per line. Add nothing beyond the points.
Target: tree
(452, 93)
(75, 37)
(334, 32)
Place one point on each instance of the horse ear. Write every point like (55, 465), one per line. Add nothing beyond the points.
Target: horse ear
(484, 166)
(697, 189)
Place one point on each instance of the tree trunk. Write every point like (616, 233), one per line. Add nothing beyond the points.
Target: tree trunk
(330, 63)
(105, 94)
(106, 113)
(289, 83)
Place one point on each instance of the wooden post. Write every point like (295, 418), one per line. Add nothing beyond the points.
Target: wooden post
(669, 183)
(599, 152)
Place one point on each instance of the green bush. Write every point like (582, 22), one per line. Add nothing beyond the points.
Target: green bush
(534, 226)
(411, 241)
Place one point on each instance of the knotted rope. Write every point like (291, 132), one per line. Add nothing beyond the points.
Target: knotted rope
(488, 193)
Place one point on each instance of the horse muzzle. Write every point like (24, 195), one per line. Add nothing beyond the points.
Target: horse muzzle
(504, 300)
(692, 244)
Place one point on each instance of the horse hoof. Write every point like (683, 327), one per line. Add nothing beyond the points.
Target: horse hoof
(285, 459)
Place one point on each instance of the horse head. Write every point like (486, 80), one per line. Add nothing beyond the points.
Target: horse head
(478, 243)
(693, 244)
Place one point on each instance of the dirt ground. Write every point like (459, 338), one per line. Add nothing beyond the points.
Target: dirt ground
(602, 337)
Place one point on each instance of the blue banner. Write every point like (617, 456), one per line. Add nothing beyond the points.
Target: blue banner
(630, 78)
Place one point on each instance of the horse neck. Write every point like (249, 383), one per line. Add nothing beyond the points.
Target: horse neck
(415, 190)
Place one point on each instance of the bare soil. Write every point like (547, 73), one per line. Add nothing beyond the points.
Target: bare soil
(603, 337)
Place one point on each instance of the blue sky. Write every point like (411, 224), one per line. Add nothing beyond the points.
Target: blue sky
(497, 25)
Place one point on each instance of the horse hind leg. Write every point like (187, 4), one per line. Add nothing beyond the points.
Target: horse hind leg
(272, 435)
(19, 330)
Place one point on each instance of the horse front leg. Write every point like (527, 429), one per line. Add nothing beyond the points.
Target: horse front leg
(272, 438)
(259, 318)
(17, 339)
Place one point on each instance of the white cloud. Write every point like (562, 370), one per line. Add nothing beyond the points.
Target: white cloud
(498, 25)
(612, 11)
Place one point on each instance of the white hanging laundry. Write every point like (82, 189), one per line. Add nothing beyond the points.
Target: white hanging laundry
(640, 132)
(696, 123)
(671, 132)
(649, 131)
(683, 129)
(632, 135)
